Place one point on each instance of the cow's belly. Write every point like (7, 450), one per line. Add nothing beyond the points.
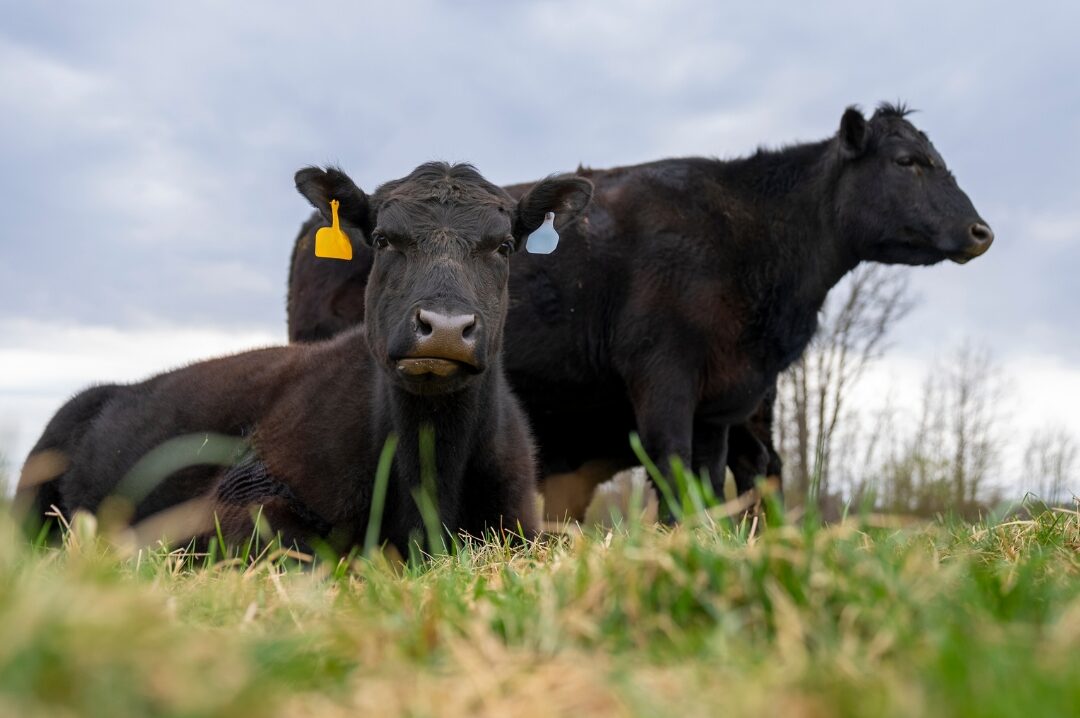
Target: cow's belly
(733, 403)
(573, 421)
(568, 438)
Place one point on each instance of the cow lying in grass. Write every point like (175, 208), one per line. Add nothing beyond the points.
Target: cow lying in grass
(317, 416)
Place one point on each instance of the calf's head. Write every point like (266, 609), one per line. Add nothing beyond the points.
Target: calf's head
(897, 201)
(436, 298)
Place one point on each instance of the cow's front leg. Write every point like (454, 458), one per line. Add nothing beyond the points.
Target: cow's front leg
(501, 492)
(664, 413)
(500, 499)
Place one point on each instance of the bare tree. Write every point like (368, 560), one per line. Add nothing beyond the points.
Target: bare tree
(1050, 465)
(943, 461)
(973, 389)
(902, 459)
(854, 326)
(4, 473)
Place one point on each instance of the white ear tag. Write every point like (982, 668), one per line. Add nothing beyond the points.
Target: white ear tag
(545, 239)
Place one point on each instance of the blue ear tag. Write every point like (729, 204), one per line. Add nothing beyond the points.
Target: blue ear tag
(545, 239)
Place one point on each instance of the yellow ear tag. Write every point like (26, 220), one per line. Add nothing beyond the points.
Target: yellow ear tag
(332, 242)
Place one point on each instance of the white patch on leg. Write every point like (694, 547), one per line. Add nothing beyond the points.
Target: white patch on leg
(614, 499)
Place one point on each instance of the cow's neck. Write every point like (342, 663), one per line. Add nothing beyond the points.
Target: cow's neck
(455, 421)
(804, 255)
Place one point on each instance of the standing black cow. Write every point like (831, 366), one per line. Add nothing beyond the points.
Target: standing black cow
(316, 416)
(673, 305)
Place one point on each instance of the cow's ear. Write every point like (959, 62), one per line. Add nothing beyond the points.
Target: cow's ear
(566, 195)
(320, 186)
(854, 133)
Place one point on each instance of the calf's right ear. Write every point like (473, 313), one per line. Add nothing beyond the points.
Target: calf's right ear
(566, 195)
(320, 186)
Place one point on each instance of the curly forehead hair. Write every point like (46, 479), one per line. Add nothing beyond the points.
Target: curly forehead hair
(897, 109)
(438, 196)
(443, 183)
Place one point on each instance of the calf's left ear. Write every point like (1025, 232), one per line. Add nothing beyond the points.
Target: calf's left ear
(320, 186)
(566, 195)
(854, 133)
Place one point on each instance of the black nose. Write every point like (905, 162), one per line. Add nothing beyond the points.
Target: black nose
(981, 233)
(445, 336)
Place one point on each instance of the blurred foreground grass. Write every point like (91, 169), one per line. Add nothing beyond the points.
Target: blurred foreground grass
(856, 619)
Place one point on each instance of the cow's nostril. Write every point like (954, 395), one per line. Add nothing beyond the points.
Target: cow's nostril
(981, 233)
(444, 327)
(423, 326)
(468, 327)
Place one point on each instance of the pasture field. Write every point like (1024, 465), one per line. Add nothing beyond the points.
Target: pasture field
(868, 617)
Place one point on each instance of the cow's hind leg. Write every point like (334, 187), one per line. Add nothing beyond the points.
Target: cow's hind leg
(38, 489)
(711, 450)
(749, 459)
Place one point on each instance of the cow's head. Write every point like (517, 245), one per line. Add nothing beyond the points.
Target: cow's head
(897, 202)
(436, 298)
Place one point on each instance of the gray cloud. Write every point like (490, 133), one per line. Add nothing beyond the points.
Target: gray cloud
(148, 149)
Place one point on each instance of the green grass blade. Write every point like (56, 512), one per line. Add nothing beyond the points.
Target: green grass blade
(378, 494)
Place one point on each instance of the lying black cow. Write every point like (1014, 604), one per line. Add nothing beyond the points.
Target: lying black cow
(317, 416)
(673, 305)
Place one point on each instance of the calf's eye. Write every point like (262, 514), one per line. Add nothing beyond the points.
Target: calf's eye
(905, 160)
(506, 248)
(380, 242)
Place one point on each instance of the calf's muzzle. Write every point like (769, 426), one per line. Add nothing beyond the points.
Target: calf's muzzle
(443, 343)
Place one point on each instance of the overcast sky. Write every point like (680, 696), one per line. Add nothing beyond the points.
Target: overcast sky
(147, 150)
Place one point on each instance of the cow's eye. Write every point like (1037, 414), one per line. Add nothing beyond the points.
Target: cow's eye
(379, 241)
(905, 160)
(506, 248)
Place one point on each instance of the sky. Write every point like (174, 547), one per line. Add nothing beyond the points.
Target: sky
(147, 152)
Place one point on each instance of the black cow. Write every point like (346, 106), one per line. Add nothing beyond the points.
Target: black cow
(673, 305)
(693, 283)
(316, 416)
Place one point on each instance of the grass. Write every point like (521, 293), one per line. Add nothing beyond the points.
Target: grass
(864, 618)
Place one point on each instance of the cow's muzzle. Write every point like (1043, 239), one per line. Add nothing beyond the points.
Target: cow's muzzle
(978, 240)
(444, 345)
